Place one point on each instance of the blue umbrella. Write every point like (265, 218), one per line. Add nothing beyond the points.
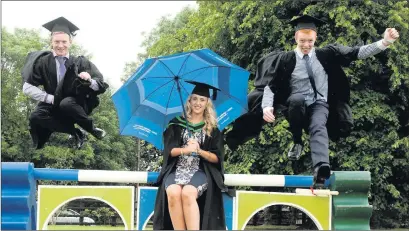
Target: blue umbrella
(156, 92)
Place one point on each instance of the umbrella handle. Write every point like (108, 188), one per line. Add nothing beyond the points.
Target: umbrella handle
(183, 106)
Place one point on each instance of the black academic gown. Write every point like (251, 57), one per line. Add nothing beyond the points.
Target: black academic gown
(211, 208)
(275, 70)
(40, 69)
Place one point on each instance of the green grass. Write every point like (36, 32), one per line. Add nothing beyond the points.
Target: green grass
(83, 227)
(95, 227)
(149, 227)
(289, 227)
(270, 227)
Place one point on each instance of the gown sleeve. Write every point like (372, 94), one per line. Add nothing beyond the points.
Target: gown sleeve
(217, 147)
(85, 65)
(31, 71)
(171, 140)
(95, 75)
(344, 55)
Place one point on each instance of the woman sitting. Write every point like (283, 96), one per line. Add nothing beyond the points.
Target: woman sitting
(191, 180)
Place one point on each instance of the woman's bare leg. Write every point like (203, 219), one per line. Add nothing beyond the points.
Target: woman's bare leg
(190, 207)
(174, 193)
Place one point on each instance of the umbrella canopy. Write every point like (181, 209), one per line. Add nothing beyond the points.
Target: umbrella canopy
(157, 90)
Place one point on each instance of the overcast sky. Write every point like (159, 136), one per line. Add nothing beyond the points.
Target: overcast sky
(110, 30)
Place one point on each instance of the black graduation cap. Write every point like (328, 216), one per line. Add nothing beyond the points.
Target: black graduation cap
(202, 89)
(306, 22)
(61, 24)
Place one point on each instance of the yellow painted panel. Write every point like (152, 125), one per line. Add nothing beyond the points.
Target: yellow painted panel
(317, 207)
(120, 198)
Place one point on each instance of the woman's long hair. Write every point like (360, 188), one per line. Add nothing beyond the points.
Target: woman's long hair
(209, 115)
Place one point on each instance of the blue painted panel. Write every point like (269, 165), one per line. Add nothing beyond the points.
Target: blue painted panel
(18, 190)
(146, 204)
(228, 202)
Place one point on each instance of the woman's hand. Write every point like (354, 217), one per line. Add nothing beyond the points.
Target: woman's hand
(190, 148)
(194, 143)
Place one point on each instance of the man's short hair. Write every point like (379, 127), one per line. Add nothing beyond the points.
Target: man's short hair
(305, 31)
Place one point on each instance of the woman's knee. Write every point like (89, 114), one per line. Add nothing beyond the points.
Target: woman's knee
(174, 193)
(189, 194)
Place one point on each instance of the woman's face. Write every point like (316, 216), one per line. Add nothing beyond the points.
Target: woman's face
(198, 104)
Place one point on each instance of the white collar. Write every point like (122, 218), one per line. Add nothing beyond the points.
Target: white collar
(301, 55)
(55, 54)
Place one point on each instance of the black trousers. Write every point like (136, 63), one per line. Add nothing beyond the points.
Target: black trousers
(62, 118)
(313, 119)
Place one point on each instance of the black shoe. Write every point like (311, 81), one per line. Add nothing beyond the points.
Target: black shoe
(322, 172)
(79, 138)
(78, 131)
(99, 133)
(295, 152)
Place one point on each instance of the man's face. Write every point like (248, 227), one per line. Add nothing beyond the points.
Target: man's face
(60, 43)
(305, 40)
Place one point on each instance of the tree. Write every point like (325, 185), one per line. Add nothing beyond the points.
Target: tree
(244, 31)
(113, 152)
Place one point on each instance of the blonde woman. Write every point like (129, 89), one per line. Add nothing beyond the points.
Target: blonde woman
(191, 181)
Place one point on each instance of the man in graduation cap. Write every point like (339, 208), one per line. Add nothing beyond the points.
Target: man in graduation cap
(71, 85)
(311, 84)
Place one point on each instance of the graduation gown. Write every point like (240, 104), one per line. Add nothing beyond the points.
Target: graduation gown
(40, 69)
(211, 208)
(275, 70)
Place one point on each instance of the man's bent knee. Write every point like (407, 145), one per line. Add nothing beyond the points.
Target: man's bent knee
(35, 117)
(66, 105)
(296, 100)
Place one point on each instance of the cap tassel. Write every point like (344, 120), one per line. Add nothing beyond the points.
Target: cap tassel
(214, 96)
